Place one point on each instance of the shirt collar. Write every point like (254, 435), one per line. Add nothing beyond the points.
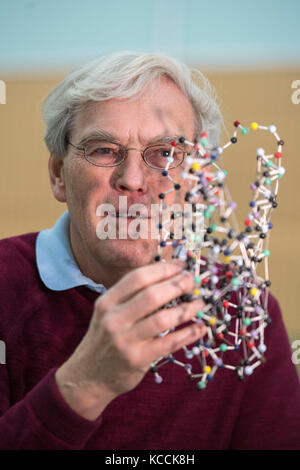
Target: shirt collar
(55, 260)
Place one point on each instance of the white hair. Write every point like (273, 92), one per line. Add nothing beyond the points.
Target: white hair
(125, 75)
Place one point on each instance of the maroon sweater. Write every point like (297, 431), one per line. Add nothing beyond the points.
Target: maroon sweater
(41, 328)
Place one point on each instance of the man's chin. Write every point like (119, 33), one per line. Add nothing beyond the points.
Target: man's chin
(128, 252)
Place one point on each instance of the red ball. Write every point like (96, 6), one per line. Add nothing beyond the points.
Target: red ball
(278, 154)
(236, 123)
(247, 222)
(225, 303)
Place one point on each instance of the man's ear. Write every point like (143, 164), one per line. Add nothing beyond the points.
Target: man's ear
(57, 177)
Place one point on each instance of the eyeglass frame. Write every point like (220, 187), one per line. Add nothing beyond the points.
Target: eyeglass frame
(126, 149)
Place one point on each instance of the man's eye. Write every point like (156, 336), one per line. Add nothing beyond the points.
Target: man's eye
(103, 150)
(162, 152)
(97, 151)
(165, 152)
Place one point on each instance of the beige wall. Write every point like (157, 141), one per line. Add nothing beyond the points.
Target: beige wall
(27, 204)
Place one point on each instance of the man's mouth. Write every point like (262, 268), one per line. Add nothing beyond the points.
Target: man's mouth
(120, 215)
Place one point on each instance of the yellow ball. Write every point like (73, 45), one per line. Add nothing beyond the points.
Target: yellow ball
(253, 291)
(196, 292)
(196, 166)
(227, 259)
(254, 126)
(212, 321)
(207, 369)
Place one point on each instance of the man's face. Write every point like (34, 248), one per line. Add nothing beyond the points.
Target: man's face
(162, 110)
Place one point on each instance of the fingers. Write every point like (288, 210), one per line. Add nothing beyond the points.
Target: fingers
(166, 319)
(139, 279)
(172, 342)
(155, 296)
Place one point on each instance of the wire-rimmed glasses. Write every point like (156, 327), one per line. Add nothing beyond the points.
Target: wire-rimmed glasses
(105, 153)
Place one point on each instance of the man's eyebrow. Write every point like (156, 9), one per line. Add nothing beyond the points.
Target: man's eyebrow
(104, 135)
(96, 135)
(164, 139)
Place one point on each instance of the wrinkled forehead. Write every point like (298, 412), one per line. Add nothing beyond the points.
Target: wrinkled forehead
(161, 109)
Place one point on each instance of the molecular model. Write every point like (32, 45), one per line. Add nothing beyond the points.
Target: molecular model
(223, 259)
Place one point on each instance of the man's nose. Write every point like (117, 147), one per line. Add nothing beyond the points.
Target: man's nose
(130, 175)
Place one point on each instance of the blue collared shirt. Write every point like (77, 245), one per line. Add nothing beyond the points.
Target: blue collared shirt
(55, 260)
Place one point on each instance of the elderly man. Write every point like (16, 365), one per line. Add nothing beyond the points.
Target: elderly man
(81, 315)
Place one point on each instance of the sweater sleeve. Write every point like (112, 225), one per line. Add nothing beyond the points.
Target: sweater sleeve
(269, 416)
(42, 419)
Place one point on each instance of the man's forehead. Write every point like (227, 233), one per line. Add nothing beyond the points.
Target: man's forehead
(146, 133)
(95, 133)
(164, 112)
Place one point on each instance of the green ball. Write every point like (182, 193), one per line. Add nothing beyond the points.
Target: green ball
(223, 347)
(247, 321)
(201, 385)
